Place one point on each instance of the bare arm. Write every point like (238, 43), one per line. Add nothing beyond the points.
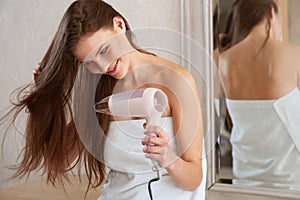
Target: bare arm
(186, 166)
(187, 169)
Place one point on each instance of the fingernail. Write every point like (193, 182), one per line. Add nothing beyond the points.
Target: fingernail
(144, 148)
(145, 138)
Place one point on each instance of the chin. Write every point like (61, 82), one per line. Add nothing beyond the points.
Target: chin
(119, 76)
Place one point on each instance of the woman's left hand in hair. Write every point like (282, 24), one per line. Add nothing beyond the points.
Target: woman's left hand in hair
(157, 146)
(36, 72)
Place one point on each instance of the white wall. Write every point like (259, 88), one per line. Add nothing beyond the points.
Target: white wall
(294, 28)
(27, 28)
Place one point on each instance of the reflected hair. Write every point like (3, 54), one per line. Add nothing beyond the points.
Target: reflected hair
(225, 42)
(249, 13)
(52, 143)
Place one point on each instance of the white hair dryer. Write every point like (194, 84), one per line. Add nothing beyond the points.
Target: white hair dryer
(148, 103)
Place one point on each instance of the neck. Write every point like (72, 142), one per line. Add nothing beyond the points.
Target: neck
(260, 32)
(137, 69)
(137, 58)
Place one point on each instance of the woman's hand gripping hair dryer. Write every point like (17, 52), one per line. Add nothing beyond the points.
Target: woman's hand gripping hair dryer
(149, 103)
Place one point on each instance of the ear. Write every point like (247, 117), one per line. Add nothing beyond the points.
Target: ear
(119, 24)
(272, 12)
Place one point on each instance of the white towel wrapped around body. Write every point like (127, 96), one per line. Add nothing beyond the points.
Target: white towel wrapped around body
(130, 171)
(266, 140)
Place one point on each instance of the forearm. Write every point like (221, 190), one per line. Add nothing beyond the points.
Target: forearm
(186, 175)
(185, 170)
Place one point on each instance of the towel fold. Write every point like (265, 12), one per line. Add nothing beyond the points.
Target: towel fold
(266, 139)
(130, 171)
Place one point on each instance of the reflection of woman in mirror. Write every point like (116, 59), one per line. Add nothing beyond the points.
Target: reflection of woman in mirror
(52, 142)
(261, 82)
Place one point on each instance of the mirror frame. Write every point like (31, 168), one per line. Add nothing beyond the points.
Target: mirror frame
(283, 8)
(214, 184)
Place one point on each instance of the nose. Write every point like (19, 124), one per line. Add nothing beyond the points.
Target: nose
(105, 65)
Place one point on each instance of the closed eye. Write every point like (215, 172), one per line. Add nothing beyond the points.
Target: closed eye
(104, 50)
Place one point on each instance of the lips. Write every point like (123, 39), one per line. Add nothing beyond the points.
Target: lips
(113, 69)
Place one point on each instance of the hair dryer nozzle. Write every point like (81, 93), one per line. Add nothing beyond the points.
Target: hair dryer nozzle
(102, 106)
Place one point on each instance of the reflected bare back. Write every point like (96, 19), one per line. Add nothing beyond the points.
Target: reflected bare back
(269, 75)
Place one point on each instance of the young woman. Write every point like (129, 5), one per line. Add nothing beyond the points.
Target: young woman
(261, 81)
(94, 40)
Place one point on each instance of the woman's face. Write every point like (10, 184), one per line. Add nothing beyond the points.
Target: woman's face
(104, 52)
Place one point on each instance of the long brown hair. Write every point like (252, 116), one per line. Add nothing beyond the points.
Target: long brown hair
(243, 17)
(51, 137)
(249, 13)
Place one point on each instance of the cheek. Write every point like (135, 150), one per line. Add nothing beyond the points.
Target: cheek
(106, 59)
(124, 67)
(96, 67)
(112, 55)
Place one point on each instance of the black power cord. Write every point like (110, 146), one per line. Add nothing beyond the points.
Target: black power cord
(156, 169)
(149, 186)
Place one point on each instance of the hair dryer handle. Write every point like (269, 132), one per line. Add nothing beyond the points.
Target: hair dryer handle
(154, 121)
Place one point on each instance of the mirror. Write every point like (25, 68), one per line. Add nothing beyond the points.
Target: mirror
(223, 177)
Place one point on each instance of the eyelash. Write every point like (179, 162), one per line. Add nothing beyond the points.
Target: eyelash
(104, 50)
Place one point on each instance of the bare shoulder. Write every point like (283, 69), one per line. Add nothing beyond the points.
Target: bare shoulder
(176, 71)
(226, 59)
(284, 48)
(286, 54)
(225, 56)
(229, 55)
(180, 87)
